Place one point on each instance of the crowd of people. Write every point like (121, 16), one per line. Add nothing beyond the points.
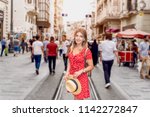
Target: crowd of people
(78, 52)
(18, 46)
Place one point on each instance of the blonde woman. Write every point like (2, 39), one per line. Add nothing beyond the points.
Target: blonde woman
(76, 66)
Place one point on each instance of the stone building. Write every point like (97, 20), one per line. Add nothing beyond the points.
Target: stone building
(117, 15)
(4, 18)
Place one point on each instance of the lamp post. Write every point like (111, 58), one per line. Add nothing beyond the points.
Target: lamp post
(64, 22)
(142, 5)
(87, 17)
(11, 30)
(87, 23)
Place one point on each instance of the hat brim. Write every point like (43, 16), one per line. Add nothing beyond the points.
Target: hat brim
(78, 90)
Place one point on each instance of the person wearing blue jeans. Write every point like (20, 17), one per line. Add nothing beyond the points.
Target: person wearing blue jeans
(37, 61)
(3, 43)
(107, 65)
(37, 51)
(108, 52)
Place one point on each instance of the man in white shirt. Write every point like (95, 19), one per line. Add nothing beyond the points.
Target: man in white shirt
(37, 52)
(108, 52)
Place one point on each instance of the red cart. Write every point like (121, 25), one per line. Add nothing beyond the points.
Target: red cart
(126, 57)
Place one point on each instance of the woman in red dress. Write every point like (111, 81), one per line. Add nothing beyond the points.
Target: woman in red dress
(76, 66)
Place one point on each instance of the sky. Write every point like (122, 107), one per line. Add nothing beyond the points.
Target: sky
(76, 9)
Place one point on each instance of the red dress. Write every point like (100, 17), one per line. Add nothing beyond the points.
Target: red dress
(76, 64)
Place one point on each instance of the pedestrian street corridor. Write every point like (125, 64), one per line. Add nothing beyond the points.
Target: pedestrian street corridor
(18, 81)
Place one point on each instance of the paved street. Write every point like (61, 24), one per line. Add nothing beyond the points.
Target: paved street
(19, 81)
(17, 76)
(128, 84)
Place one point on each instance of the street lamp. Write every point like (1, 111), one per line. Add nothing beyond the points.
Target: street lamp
(87, 25)
(87, 16)
(142, 5)
(64, 15)
(11, 29)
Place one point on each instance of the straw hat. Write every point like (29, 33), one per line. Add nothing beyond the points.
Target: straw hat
(73, 85)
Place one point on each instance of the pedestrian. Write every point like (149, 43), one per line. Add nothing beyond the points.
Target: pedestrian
(60, 48)
(107, 56)
(45, 43)
(23, 45)
(94, 51)
(144, 57)
(27, 45)
(16, 44)
(135, 51)
(37, 50)
(30, 46)
(52, 49)
(3, 43)
(7, 47)
(65, 45)
(78, 55)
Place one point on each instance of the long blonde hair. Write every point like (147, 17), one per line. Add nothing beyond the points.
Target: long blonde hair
(84, 33)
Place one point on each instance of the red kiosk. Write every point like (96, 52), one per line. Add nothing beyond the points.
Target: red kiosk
(126, 56)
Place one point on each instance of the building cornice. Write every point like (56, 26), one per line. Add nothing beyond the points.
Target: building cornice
(106, 19)
(4, 1)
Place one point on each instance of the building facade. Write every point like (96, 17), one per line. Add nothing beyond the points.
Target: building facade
(4, 18)
(24, 17)
(120, 15)
(107, 15)
(58, 18)
(132, 16)
(43, 18)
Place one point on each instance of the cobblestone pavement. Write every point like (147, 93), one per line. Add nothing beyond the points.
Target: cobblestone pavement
(18, 79)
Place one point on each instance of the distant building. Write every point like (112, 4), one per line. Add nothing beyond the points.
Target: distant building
(58, 18)
(4, 18)
(24, 17)
(43, 18)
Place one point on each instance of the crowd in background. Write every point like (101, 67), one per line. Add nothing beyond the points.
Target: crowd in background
(21, 45)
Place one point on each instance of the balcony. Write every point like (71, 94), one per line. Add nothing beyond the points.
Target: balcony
(43, 24)
(106, 15)
(31, 9)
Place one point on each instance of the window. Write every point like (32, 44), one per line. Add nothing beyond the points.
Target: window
(29, 1)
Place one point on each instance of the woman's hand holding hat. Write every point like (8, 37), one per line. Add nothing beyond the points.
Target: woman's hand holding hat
(66, 76)
(78, 73)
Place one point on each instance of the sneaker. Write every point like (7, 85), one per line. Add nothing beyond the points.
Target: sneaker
(50, 73)
(107, 85)
(37, 72)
